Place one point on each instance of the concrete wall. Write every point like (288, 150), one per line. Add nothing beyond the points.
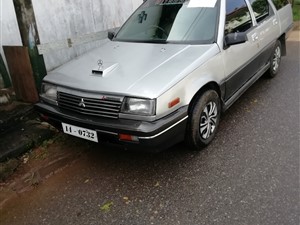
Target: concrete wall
(62, 19)
(9, 30)
(59, 20)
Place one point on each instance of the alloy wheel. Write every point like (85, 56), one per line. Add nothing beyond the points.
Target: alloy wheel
(208, 120)
(276, 59)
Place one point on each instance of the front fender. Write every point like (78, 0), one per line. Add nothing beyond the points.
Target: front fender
(187, 88)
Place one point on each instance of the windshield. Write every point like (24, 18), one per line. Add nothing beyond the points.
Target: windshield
(182, 21)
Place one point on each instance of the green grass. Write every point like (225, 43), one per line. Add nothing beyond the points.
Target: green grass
(296, 12)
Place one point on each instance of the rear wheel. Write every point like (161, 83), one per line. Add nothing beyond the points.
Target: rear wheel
(275, 60)
(204, 120)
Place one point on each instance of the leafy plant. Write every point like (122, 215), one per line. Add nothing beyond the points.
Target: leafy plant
(296, 11)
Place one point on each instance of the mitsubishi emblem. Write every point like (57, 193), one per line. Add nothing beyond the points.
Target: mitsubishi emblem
(81, 103)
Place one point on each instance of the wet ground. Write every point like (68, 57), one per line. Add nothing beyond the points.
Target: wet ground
(248, 175)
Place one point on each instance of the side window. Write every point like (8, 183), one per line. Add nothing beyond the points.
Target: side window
(238, 18)
(261, 9)
(280, 3)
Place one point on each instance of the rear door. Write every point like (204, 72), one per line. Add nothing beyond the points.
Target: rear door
(285, 15)
(268, 30)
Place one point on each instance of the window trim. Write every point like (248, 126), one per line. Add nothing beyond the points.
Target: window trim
(253, 21)
(270, 14)
(285, 4)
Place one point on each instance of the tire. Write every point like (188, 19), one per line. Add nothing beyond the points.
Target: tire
(203, 120)
(275, 60)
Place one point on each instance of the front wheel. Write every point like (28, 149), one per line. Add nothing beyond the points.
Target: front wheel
(204, 120)
(275, 60)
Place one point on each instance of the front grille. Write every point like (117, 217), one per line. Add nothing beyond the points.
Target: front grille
(90, 106)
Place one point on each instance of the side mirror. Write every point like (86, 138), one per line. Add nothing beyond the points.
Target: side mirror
(111, 35)
(235, 38)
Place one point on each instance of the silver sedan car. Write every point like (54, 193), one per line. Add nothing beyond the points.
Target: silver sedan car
(168, 73)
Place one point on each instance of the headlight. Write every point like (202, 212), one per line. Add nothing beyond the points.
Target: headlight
(137, 106)
(49, 92)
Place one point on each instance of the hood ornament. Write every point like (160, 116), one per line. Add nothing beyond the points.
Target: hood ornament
(104, 68)
(100, 68)
(100, 64)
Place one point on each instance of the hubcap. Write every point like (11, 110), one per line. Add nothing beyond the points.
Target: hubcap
(276, 59)
(208, 120)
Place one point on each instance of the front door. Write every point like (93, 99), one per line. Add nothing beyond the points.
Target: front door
(239, 60)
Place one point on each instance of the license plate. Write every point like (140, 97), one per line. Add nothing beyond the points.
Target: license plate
(81, 132)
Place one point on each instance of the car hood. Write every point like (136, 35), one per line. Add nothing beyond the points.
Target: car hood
(132, 69)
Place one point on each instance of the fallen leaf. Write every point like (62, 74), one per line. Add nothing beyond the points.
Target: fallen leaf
(107, 206)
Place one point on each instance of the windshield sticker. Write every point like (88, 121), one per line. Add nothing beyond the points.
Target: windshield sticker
(202, 3)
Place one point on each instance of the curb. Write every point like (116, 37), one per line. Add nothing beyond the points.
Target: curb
(15, 113)
(25, 136)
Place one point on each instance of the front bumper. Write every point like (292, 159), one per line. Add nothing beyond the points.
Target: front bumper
(152, 136)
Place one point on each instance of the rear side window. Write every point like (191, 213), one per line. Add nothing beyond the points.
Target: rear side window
(238, 18)
(280, 3)
(261, 9)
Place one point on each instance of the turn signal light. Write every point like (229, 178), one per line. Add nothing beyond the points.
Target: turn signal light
(174, 102)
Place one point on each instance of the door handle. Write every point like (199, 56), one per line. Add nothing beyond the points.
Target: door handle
(275, 22)
(254, 37)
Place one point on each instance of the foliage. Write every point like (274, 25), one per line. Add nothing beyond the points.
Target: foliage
(296, 12)
(259, 6)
